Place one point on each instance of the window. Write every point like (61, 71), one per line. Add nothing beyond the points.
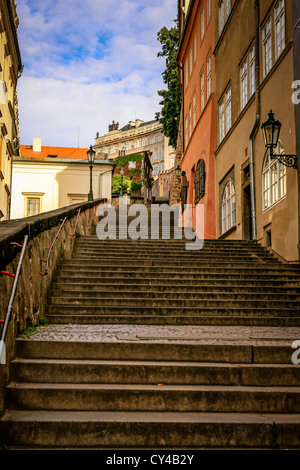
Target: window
(123, 146)
(224, 12)
(273, 180)
(228, 207)
(186, 126)
(228, 109)
(162, 153)
(267, 48)
(221, 16)
(279, 15)
(116, 148)
(33, 203)
(227, 8)
(208, 68)
(186, 73)
(172, 162)
(162, 167)
(148, 140)
(244, 83)
(199, 180)
(221, 120)
(208, 11)
(33, 206)
(156, 138)
(108, 150)
(190, 116)
(140, 143)
(155, 170)
(191, 61)
(195, 47)
(202, 90)
(155, 154)
(202, 23)
(252, 70)
(132, 144)
(225, 114)
(194, 109)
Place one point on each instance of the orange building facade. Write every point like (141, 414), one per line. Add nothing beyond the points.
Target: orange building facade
(196, 70)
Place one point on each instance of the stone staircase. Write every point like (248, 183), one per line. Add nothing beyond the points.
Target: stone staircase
(198, 353)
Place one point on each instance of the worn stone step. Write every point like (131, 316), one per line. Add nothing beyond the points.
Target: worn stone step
(143, 319)
(161, 302)
(137, 397)
(150, 429)
(154, 372)
(155, 351)
(168, 287)
(104, 283)
(151, 293)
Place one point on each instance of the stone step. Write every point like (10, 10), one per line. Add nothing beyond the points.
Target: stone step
(105, 283)
(243, 319)
(154, 372)
(150, 293)
(246, 353)
(67, 429)
(144, 267)
(159, 397)
(169, 288)
(207, 301)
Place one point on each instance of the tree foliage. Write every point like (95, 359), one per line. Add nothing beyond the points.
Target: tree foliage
(171, 97)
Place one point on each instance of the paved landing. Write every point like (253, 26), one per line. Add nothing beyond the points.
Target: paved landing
(167, 334)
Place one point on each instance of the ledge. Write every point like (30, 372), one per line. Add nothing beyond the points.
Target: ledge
(228, 232)
(16, 229)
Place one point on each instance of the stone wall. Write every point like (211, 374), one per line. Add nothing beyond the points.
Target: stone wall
(31, 294)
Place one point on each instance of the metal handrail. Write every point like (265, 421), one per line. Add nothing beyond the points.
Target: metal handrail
(9, 308)
(78, 210)
(50, 249)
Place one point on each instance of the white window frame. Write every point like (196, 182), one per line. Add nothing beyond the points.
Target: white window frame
(221, 120)
(267, 47)
(140, 143)
(273, 180)
(194, 109)
(202, 90)
(148, 141)
(208, 11)
(244, 83)
(221, 16)
(202, 23)
(155, 170)
(279, 28)
(228, 109)
(208, 76)
(155, 154)
(252, 70)
(228, 207)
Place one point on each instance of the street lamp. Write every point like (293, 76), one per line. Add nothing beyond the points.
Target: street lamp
(122, 174)
(178, 172)
(91, 157)
(271, 131)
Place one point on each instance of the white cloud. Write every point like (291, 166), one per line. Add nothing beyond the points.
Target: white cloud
(87, 64)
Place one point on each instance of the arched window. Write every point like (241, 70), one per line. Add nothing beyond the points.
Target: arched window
(273, 179)
(228, 207)
(199, 182)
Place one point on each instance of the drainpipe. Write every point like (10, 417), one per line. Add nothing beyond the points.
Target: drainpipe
(257, 121)
(181, 67)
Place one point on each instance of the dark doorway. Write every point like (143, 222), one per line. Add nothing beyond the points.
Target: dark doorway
(247, 226)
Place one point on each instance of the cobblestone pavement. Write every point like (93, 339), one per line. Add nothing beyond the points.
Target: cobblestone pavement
(166, 334)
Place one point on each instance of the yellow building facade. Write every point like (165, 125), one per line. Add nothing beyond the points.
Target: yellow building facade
(138, 136)
(10, 70)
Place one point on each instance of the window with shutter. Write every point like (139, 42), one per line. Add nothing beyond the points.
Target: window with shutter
(199, 180)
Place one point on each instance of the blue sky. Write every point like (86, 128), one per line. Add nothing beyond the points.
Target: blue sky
(87, 64)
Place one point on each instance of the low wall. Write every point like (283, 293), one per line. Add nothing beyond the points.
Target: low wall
(31, 294)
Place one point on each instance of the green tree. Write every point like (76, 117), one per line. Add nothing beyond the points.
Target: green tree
(171, 97)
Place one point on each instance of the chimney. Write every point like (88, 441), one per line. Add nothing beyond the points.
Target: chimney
(37, 144)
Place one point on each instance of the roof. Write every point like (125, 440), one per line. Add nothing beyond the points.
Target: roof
(128, 126)
(54, 152)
